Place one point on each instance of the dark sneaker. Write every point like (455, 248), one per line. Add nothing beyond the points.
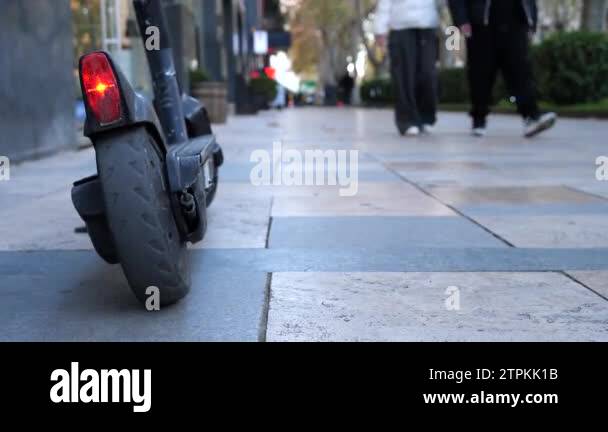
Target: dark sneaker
(479, 128)
(533, 127)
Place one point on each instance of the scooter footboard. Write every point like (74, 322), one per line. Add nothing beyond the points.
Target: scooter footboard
(185, 161)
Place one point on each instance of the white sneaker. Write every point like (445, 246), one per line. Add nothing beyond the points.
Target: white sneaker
(544, 122)
(412, 131)
(479, 132)
(428, 129)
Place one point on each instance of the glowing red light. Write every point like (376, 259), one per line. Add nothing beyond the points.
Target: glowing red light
(270, 72)
(101, 88)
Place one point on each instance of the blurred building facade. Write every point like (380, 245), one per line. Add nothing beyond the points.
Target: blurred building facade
(37, 88)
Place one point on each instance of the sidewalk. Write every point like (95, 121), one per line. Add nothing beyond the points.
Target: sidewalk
(449, 238)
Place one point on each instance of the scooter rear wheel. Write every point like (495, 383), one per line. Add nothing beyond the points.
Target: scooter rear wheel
(140, 218)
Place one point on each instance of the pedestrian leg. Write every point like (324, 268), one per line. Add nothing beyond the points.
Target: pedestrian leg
(403, 52)
(426, 76)
(482, 70)
(516, 67)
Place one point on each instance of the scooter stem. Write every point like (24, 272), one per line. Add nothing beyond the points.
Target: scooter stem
(167, 94)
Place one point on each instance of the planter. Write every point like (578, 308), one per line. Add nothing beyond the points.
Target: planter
(331, 95)
(260, 101)
(214, 95)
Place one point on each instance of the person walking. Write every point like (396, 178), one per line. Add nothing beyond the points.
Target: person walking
(411, 26)
(498, 39)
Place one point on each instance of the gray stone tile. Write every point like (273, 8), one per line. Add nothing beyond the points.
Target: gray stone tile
(48, 223)
(237, 221)
(45, 223)
(372, 199)
(241, 173)
(595, 280)
(534, 209)
(412, 307)
(439, 165)
(513, 195)
(73, 296)
(555, 231)
(598, 188)
(378, 233)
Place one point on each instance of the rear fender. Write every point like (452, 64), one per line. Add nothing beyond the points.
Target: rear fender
(88, 200)
(136, 110)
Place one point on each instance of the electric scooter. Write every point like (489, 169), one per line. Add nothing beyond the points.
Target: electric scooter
(157, 167)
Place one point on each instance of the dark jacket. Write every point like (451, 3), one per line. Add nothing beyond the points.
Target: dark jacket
(477, 12)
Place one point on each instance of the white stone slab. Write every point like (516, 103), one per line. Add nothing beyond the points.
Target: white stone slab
(412, 307)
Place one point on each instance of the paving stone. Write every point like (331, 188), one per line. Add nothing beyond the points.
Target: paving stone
(598, 188)
(73, 296)
(412, 307)
(237, 222)
(595, 280)
(513, 195)
(241, 173)
(45, 223)
(563, 231)
(378, 232)
(372, 199)
(533, 209)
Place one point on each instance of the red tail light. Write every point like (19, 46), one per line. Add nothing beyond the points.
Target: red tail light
(101, 88)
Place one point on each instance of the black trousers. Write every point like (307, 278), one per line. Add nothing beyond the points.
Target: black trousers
(506, 49)
(413, 54)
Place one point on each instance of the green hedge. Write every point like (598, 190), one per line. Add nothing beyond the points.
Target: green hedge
(377, 92)
(453, 86)
(264, 86)
(570, 68)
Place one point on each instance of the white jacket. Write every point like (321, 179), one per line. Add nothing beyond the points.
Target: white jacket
(405, 14)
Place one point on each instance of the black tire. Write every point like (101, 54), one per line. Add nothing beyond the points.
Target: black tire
(139, 214)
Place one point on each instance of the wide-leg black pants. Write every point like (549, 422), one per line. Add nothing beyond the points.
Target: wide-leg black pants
(413, 54)
(492, 49)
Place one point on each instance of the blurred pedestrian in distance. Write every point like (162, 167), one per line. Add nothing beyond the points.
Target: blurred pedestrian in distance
(498, 39)
(410, 29)
(347, 85)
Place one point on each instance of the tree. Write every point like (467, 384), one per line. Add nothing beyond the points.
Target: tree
(87, 26)
(320, 38)
(364, 14)
(327, 35)
(594, 15)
